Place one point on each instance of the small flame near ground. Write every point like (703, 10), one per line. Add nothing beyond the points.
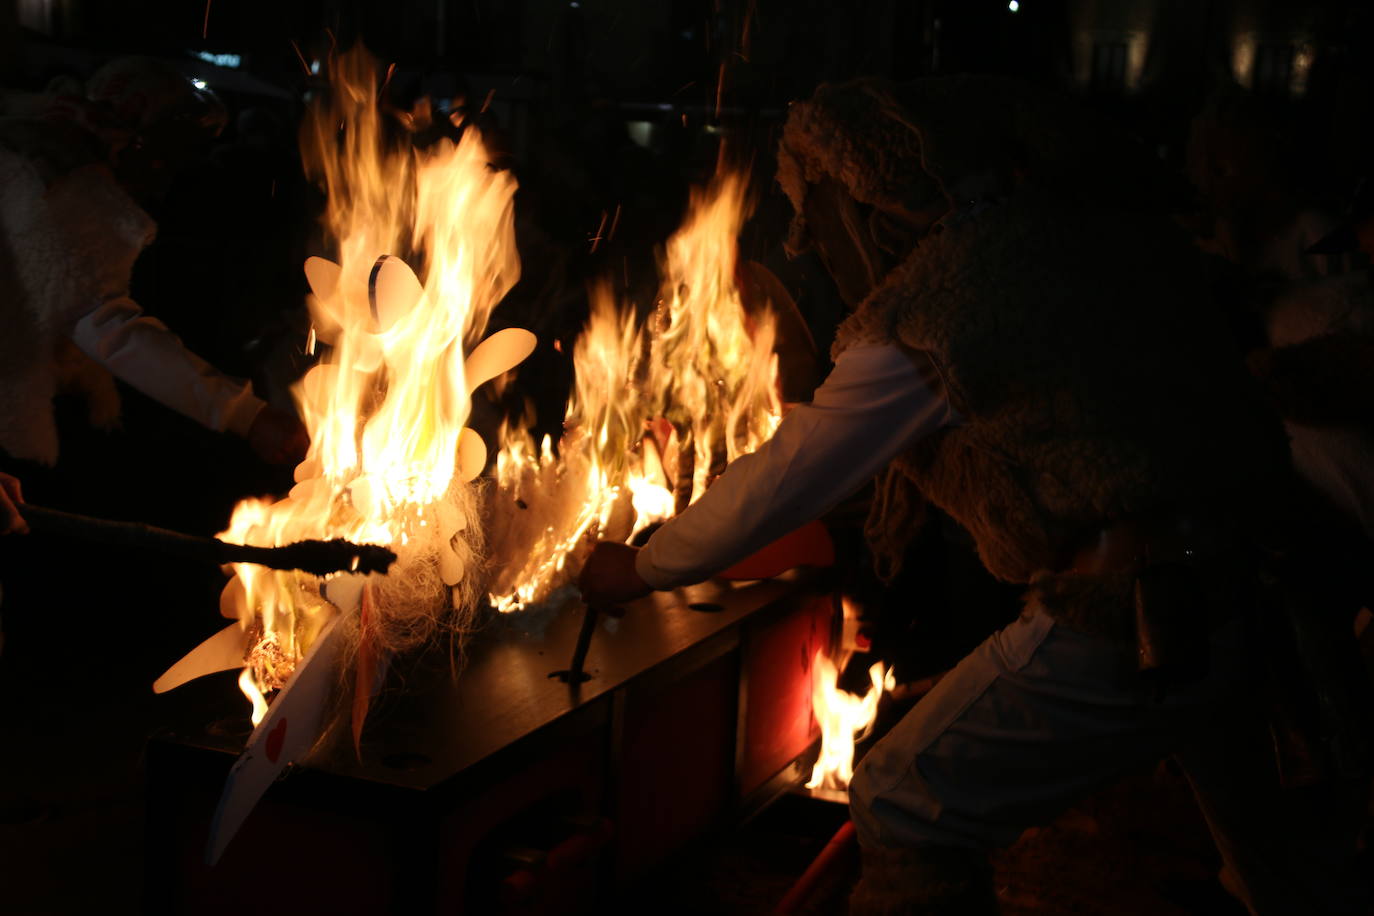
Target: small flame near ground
(843, 718)
(251, 691)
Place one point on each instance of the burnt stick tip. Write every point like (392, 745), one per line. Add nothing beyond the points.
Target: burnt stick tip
(318, 558)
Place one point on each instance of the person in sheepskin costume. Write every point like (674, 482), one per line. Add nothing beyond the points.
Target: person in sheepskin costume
(71, 172)
(1033, 349)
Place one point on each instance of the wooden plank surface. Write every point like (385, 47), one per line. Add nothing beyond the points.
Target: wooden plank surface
(427, 728)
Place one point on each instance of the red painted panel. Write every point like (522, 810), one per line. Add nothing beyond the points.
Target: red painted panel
(777, 671)
(674, 778)
(809, 545)
(571, 777)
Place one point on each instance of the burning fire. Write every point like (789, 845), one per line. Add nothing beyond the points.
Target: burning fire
(390, 459)
(656, 410)
(711, 376)
(842, 717)
(578, 493)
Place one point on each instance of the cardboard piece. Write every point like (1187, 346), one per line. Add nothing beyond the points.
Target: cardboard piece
(499, 353)
(221, 652)
(286, 734)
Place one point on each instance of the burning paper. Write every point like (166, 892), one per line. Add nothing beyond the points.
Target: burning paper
(425, 250)
(561, 502)
(657, 411)
(711, 375)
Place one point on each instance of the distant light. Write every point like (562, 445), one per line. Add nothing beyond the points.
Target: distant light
(199, 84)
(575, 5)
(220, 60)
(314, 66)
(641, 133)
(1013, 6)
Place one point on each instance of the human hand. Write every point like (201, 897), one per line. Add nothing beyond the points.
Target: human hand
(11, 497)
(609, 577)
(278, 437)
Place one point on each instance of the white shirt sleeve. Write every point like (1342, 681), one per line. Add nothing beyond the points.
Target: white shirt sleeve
(877, 401)
(143, 352)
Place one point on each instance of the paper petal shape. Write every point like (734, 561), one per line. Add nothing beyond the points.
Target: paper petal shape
(308, 469)
(449, 519)
(450, 566)
(318, 380)
(225, 650)
(233, 601)
(324, 319)
(366, 496)
(394, 291)
(367, 353)
(344, 591)
(500, 352)
(326, 306)
(323, 276)
(306, 490)
(472, 455)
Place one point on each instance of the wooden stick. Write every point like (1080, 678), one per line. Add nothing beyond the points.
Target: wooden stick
(584, 642)
(317, 557)
(575, 674)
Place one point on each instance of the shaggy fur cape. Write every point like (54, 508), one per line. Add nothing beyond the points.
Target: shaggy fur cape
(1072, 328)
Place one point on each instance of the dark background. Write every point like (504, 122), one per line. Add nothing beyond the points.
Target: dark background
(618, 107)
(601, 105)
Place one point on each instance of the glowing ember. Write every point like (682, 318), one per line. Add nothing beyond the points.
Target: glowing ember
(842, 717)
(700, 377)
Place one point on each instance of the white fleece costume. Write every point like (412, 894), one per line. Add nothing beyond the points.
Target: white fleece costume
(68, 241)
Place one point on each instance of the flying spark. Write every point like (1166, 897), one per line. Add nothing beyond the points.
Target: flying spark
(596, 239)
(301, 57)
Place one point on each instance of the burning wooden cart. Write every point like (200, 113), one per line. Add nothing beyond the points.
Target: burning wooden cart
(507, 791)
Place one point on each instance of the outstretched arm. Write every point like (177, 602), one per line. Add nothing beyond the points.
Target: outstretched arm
(143, 352)
(878, 401)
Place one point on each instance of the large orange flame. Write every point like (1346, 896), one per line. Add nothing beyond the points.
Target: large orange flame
(701, 376)
(389, 458)
(555, 503)
(710, 375)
